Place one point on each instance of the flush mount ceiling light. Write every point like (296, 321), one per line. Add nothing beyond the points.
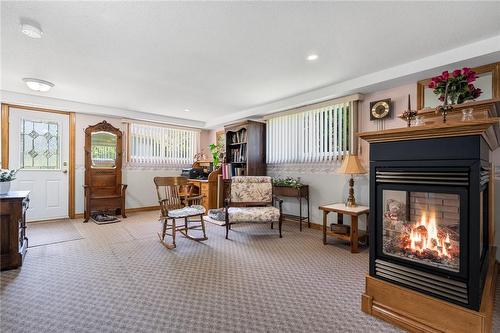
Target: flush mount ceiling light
(187, 110)
(312, 57)
(31, 30)
(38, 85)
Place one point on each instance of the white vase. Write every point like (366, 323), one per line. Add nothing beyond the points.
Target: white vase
(4, 187)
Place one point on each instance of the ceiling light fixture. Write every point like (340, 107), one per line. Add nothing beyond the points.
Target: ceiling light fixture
(31, 31)
(312, 57)
(38, 85)
(187, 110)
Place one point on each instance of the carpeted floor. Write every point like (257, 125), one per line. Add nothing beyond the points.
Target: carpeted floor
(45, 233)
(118, 278)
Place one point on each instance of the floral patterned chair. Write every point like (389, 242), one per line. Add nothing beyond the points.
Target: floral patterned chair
(251, 200)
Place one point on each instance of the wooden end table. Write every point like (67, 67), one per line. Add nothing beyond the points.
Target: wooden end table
(354, 212)
(299, 193)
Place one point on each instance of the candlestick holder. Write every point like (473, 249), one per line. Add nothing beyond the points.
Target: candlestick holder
(445, 109)
(409, 115)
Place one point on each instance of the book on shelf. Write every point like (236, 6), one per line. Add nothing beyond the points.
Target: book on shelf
(229, 170)
(238, 155)
(238, 137)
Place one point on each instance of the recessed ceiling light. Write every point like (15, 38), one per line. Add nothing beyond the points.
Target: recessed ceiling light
(38, 85)
(312, 57)
(31, 31)
(187, 110)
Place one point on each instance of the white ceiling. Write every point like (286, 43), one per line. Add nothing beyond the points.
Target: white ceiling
(219, 59)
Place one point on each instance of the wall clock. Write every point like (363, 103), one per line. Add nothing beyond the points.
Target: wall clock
(380, 109)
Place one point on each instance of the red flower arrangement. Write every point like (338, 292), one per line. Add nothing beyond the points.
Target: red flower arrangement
(457, 86)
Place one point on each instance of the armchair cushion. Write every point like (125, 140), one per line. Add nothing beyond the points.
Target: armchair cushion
(251, 189)
(253, 214)
(187, 211)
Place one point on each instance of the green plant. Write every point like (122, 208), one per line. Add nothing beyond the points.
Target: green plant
(7, 175)
(217, 152)
(287, 182)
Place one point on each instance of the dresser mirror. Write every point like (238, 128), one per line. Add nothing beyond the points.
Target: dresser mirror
(103, 150)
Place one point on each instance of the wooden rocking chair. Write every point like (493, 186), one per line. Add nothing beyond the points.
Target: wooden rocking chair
(176, 202)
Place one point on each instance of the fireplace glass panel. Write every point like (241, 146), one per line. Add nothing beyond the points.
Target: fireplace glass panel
(423, 227)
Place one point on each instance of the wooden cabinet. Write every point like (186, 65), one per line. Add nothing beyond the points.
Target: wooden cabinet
(246, 148)
(13, 239)
(103, 187)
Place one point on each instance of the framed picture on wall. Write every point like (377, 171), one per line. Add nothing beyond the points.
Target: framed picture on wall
(220, 138)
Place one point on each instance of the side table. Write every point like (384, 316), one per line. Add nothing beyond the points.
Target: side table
(341, 209)
(299, 193)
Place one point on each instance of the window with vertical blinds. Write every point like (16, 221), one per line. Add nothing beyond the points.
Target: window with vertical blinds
(318, 135)
(156, 145)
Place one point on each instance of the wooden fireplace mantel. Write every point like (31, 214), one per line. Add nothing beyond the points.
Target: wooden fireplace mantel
(489, 128)
(486, 123)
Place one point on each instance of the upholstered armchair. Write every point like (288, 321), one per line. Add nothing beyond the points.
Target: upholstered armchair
(251, 200)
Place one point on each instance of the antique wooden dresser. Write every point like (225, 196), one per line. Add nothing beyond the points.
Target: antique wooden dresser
(13, 239)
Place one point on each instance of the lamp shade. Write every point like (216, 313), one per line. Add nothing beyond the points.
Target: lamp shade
(351, 165)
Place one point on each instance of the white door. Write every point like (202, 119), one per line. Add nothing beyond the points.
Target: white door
(39, 147)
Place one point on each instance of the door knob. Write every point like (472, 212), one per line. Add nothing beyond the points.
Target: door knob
(65, 171)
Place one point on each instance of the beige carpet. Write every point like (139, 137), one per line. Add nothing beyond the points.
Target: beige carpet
(120, 279)
(44, 233)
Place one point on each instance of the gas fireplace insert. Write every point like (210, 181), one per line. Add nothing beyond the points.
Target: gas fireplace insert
(429, 229)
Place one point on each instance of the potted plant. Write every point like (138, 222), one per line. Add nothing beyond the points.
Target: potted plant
(6, 176)
(217, 153)
(287, 182)
(288, 186)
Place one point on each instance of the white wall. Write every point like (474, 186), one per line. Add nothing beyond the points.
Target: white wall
(325, 186)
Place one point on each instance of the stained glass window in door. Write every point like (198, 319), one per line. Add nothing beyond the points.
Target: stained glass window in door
(40, 145)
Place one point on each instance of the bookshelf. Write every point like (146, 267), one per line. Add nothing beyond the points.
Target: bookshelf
(245, 149)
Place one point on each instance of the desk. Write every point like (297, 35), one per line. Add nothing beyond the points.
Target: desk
(341, 209)
(299, 193)
(208, 189)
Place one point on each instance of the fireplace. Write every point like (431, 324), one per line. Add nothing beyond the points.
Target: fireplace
(423, 227)
(429, 213)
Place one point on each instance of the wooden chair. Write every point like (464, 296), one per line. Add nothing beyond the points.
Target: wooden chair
(251, 200)
(176, 202)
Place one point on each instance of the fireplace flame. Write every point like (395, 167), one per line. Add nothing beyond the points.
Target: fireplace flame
(424, 236)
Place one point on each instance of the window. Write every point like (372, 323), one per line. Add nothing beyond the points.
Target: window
(318, 135)
(40, 145)
(162, 145)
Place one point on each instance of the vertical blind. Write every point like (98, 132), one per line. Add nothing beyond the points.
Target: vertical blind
(162, 145)
(319, 135)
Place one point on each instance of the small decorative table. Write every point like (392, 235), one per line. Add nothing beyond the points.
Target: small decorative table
(341, 209)
(299, 193)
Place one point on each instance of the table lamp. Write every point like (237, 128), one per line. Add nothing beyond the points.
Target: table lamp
(352, 166)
